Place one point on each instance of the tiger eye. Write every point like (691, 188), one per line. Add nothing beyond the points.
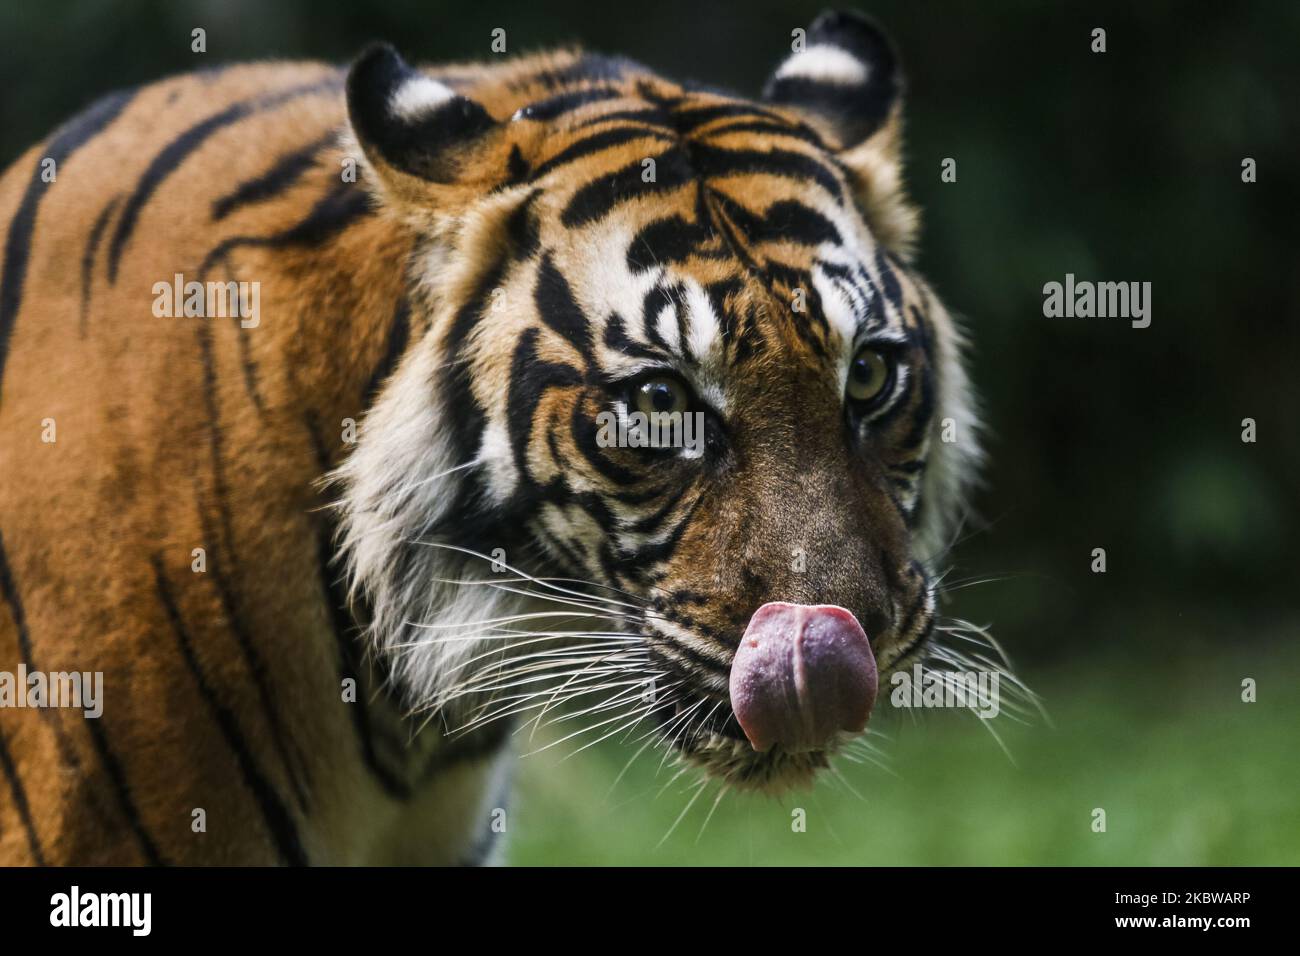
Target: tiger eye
(869, 374)
(661, 395)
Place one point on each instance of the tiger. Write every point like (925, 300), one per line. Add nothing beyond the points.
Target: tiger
(333, 545)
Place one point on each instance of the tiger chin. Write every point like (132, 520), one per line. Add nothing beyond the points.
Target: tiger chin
(397, 476)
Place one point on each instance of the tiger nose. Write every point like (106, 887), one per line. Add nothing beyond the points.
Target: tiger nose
(802, 673)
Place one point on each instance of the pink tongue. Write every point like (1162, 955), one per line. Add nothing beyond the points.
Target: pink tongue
(802, 673)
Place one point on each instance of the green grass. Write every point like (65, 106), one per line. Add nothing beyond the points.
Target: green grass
(1186, 772)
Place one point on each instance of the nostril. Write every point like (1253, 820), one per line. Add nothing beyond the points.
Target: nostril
(802, 673)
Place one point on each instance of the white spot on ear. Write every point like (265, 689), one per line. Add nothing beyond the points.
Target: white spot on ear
(418, 96)
(826, 64)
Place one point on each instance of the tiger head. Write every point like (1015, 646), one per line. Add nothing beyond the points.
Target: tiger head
(678, 383)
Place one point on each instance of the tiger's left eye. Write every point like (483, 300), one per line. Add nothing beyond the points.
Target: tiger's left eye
(869, 376)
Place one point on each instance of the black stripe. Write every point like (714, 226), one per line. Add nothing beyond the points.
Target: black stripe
(596, 143)
(248, 651)
(716, 162)
(216, 443)
(889, 281)
(10, 592)
(66, 141)
(690, 119)
(586, 432)
(20, 800)
(710, 206)
(657, 298)
(562, 103)
(665, 241)
(98, 736)
(468, 418)
(283, 830)
(559, 310)
(683, 657)
(729, 639)
(346, 637)
(246, 363)
(530, 377)
(786, 220)
(922, 412)
(651, 522)
(791, 221)
(594, 200)
(286, 171)
(399, 333)
(334, 212)
(616, 338)
(770, 128)
(123, 792)
(653, 116)
(523, 227)
(88, 259)
(346, 630)
(183, 146)
(635, 564)
(645, 496)
(719, 292)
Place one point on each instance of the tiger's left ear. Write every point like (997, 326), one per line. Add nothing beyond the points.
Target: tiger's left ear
(845, 81)
(424, 142)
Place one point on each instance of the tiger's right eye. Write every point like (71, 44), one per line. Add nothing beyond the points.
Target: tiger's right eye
(661, 395)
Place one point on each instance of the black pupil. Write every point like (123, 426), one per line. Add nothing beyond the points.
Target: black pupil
(862, 371)
(661, 397)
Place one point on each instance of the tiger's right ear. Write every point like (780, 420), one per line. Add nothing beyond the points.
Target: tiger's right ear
(418, 135)
(846, 82)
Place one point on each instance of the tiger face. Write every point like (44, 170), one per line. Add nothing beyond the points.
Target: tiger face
(679, 382)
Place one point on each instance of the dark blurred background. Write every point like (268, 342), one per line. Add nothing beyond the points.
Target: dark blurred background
(1122, 166)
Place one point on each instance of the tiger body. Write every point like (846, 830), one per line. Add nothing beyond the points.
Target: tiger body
(172, 438)
(499, 258)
